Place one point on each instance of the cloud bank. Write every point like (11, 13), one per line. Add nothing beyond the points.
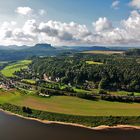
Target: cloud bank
(58, 33)
(135, 4)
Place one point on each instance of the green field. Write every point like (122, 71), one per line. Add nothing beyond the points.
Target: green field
(29, 81)
(9, 70)
(93, 63)
(71, 105)
(77, 90)
(117, 93)
(82, 91)
(6, 97)
(123, 93)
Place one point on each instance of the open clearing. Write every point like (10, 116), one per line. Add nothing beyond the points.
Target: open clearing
(71, 105)
(104, 52)
(29, 81)
(94, 63)
(9, 70)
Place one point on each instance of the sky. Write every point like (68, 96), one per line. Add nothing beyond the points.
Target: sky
(70, 22)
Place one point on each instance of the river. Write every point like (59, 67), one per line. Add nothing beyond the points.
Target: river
(16, 128)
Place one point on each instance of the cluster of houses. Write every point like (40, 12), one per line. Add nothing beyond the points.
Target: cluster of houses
(50, 80)
(7, 84)
(44, 95)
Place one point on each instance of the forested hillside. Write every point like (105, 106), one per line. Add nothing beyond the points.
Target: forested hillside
(111, 72)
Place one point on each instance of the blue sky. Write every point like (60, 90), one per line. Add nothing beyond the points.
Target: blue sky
(85, 11)
(70, 22)
(81, 11)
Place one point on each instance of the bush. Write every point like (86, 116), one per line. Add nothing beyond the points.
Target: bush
(27, 110)
(102, 92)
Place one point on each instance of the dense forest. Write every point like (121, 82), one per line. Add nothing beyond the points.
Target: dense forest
(133, 52)
(109, 72)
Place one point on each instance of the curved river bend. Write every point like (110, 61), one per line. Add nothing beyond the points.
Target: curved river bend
(16, 128)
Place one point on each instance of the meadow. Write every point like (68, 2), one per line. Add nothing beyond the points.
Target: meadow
(94, 63)
(9, 70)
(29, 81)
(70, 105)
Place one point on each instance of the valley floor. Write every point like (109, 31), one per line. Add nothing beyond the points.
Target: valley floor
(70, 105)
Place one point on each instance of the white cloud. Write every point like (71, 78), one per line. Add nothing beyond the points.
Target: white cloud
(42, 12)
(115, 4)
(24, 10)
(13, 23)
(132, 26)
(61, 33)
(135, 4)
(102, 24)
(30, 27)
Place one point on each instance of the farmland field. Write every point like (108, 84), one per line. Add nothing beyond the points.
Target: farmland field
(124, 93)
(103, 52)
(93, 63)
(9, 70)
(71, 105)
(29, 81)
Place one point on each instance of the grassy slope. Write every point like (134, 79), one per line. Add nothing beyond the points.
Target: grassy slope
(6, 97)
(82, 90)
(11, 69)
(29, 81)
(93, 63)
(72, 105)
(124, 93)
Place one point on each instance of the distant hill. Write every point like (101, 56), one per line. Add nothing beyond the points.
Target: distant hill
(24, 47)
(96, 48)
(42, 47)
(13, 52)
(84, 48)
(40, 50)
(37, 50)
(133, 52)
(119, 48)
(13, 47)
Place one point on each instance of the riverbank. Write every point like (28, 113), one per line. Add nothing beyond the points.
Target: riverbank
(46, 121)
(101, 127)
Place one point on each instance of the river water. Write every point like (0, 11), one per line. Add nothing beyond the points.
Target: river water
(16, 128)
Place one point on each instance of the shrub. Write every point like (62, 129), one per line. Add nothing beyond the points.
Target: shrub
(102, 92)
